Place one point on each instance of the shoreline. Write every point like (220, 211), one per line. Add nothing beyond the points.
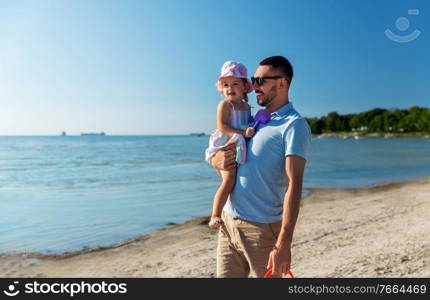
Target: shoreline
(141, 238)
(188, 249)
(202, 220)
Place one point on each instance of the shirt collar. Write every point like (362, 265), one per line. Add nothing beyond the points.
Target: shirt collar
(283, 110)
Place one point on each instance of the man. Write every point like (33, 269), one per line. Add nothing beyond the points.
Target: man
(261, 212)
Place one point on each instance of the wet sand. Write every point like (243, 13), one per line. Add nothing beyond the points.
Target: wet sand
(381, 231)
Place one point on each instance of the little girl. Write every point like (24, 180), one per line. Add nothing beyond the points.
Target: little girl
(232, 126)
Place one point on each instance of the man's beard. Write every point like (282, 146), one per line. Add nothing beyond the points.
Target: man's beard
(266, 99)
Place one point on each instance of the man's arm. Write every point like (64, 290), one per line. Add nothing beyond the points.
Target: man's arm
(280, 257)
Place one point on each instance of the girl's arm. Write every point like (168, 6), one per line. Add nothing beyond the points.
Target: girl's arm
(223, 119)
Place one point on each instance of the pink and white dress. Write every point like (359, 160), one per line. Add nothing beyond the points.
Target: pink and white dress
(239, 120)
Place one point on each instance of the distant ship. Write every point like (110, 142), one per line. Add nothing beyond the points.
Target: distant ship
(92, 134)
(63, 133)
(197, 134)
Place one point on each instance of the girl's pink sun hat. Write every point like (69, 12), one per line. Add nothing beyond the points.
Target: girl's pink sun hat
(233, 69)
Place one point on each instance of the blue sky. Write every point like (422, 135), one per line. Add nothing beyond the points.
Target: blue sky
(149, 67)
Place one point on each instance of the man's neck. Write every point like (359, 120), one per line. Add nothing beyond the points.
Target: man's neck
(277, 103)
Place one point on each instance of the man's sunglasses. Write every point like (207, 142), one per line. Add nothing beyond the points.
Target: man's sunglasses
(260, 80)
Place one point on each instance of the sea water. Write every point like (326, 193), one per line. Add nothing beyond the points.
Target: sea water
(67, 193)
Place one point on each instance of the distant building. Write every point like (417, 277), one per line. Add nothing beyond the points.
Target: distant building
(362, 128)
(197, 134)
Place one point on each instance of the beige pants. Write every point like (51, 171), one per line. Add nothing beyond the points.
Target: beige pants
(244, 247)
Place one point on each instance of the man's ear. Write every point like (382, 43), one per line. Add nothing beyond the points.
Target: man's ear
(284, 83)
(280, 83)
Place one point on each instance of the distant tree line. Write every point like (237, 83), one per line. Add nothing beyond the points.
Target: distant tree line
(414, 119)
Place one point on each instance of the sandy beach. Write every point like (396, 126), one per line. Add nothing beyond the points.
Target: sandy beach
(380, 231)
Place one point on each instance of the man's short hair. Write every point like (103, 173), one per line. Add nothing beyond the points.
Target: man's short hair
(281, 64)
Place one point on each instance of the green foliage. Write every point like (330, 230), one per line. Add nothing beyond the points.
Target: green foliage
(414, 119)
(317, 125)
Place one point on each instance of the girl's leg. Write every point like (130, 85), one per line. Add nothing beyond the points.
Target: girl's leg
(221, 195)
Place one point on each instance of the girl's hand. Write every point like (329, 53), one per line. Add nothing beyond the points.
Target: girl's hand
(249, 132)
(215, 222)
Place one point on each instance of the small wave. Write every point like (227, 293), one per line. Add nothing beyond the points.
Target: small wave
(178, 180)
(47, 164)
(101, 164)
(91, 180)
(13, 169)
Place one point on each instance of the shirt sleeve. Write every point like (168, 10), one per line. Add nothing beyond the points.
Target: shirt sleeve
(297, 138)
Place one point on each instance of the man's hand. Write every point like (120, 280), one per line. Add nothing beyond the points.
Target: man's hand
(225, 159)
(280, 260)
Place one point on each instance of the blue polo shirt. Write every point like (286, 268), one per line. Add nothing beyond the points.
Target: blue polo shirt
(261, 182)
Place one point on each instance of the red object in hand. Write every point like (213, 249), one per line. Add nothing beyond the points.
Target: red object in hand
(269, 273)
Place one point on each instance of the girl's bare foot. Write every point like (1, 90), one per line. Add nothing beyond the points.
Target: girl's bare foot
(215, 222)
